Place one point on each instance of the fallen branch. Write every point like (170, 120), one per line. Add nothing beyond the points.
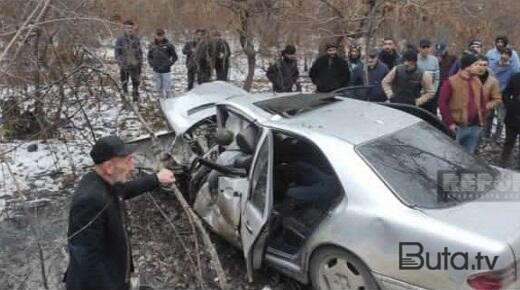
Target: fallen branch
(186, 207)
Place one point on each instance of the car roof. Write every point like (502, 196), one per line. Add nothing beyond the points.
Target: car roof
(316, 115)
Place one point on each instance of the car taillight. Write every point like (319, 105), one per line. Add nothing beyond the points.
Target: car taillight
(492, 280)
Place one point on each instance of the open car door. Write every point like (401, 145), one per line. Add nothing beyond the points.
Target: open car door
(257, 205)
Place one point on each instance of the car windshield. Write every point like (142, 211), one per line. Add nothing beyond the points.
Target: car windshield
(411, 161)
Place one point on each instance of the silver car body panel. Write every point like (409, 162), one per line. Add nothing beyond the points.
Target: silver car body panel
(196, 105)
(370, 220)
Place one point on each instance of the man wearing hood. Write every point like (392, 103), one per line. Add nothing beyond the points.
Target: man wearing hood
(330, 72)
(494, 54)
(462, 103)
(284, 73)
(389, 55)
(408, 84)
(161, 56)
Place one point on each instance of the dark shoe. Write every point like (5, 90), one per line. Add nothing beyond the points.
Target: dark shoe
(135, 96)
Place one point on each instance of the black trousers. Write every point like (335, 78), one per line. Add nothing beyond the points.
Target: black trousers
(204, 74)
(222, 69)
(192, 72)
(130, 73)
(512, 134)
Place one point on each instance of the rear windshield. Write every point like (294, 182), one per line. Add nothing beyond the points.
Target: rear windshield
(410, 161)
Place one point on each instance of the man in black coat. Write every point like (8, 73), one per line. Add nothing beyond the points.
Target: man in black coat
(330, 72)
(99, 248)
(284, 74)
(389, 55)
(161, 57)
(222, 54)
(189, 50)
(511, 98)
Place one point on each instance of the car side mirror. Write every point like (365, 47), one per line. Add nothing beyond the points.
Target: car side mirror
(223, 137)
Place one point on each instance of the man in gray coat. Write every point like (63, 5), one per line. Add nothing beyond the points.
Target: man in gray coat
(129, 57)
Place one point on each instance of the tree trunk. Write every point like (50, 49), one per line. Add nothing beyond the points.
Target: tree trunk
(248, 47)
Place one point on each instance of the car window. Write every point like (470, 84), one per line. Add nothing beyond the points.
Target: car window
(259, 178)
(410, 161)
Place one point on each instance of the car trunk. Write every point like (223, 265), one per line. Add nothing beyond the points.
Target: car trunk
(497, 218)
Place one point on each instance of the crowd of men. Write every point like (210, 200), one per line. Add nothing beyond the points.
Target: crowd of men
(206, 54)
(472, 94)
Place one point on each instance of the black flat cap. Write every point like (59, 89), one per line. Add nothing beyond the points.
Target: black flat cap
(109, 147)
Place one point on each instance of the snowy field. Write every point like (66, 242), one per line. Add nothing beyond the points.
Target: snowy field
(55, 160)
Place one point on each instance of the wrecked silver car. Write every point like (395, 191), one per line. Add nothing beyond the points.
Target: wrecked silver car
(341, 193)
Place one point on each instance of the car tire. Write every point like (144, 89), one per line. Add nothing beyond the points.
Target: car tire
(335, 268)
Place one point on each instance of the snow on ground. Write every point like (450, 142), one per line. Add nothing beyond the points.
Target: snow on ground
(69, 151)
(50, 172)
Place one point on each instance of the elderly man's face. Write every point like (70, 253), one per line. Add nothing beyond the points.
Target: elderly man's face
(121, 167)
(371, 60)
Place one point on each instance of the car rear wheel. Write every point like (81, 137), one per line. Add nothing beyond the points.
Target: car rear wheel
(335, 268)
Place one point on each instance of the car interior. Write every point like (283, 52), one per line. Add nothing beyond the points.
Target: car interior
(305, 188)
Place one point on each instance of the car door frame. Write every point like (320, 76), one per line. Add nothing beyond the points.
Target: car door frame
(254, 220)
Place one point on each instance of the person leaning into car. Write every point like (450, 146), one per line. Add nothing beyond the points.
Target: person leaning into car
(98, 244)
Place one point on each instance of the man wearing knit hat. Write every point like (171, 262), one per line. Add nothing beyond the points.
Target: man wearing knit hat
(284, 73)
(462, 103)
(99, 248)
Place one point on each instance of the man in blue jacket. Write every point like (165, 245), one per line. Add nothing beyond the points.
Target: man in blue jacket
(377, 70)
(99, 249)
(493, 55)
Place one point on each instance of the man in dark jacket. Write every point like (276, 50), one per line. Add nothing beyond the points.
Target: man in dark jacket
(408, 84)
(284, 73)
(355, 63)
(511, 99)
(129, 57)
(330, 72)
(189, 50)
(222, 54)
(99, 248)
(205, 56)
(389, 55)
(377, 70)
(161, 56)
